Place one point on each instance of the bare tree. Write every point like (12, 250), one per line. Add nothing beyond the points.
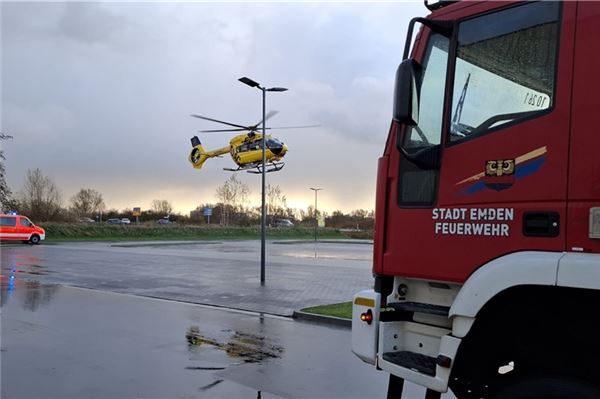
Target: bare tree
(40, 199)
(5, 193)
(359, 213)
(301, 214)
(162, 207)
(87, 202)
(276, 201)
(233, 194)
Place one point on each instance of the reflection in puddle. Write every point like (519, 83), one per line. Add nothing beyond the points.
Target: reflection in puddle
(212, 384)
(26, 264)
(35, 293)
(205, 368)
(217, 382)
(317, 251)
(236, 250)
(248, 347)
(322, 255)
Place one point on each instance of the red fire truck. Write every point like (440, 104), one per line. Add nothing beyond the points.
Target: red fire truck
(487, 232)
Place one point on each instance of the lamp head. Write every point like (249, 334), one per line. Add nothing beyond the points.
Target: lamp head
(249, 82)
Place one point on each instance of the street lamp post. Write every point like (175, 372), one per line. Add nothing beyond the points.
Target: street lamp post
(316, 214)
(263, 221)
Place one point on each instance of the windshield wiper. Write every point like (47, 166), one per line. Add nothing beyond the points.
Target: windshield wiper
(459, 108)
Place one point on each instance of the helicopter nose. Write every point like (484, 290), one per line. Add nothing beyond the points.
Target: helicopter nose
(279, 150)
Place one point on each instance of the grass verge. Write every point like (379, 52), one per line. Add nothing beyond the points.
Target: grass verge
(104, 232)
(342, 310)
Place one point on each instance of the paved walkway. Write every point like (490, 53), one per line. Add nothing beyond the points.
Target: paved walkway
(225, 273)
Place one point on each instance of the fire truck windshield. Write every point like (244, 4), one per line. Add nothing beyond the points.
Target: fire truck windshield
(505, 68)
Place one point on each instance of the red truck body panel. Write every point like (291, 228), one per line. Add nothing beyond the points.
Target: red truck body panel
(556, 154)
(584, 159)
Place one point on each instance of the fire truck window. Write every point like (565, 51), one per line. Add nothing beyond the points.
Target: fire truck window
(505, 68)
(25, 223)
(417, 187)
(8, 221)
(431, 103)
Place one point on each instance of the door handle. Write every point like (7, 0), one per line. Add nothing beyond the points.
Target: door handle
(541, 224)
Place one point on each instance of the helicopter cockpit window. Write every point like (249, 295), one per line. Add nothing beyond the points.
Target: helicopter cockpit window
(274, 143)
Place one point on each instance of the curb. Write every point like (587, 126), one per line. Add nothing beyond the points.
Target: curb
(331, 320)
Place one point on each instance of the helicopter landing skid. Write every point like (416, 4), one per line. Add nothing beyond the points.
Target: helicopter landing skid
(272, 167)
(246, 167)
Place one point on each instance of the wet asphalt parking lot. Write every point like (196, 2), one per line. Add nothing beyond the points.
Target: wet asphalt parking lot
(60, 341)
(219, 273)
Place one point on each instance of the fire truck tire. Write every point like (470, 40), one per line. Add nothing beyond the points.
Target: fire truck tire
(35, 239)
(548, 388)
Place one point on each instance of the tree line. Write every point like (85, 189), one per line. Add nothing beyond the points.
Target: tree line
(234, 209)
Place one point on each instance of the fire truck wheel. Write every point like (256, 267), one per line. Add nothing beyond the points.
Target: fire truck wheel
(548, 388)
(35, 239)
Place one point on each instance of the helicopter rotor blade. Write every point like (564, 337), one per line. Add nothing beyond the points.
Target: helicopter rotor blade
(293, 127)
(223, 130)
(269, 115)
(258, 130)
(218, 121)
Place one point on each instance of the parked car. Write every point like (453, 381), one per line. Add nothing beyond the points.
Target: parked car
(125, 221)
(283, 223)
(163, 221)
(113, 221)
(87, 220)
(19, 227)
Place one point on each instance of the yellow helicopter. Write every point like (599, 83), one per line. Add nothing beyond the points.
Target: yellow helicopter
(245, 149)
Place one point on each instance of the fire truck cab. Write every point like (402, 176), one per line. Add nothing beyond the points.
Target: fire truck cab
(487, 233)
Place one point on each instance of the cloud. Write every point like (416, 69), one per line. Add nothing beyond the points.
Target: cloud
(90, 23)
(99, 94)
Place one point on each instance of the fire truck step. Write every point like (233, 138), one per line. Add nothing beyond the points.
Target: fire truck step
(414, 361)
(416, 307)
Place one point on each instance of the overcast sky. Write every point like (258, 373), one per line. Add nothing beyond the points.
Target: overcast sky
(98, 95)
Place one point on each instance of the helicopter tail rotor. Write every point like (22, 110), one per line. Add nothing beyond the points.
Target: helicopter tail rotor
(198, 154)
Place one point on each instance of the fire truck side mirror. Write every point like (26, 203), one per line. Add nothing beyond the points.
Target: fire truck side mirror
(406, 95)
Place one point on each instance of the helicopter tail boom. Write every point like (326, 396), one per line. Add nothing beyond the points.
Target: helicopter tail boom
(198, 155)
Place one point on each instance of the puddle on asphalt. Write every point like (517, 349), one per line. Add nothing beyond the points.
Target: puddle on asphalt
(235, 250)
(249, 348)
(320, 255)
(316, 252)
(164, 244)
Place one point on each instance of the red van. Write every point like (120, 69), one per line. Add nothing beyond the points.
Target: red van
(18, 227)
